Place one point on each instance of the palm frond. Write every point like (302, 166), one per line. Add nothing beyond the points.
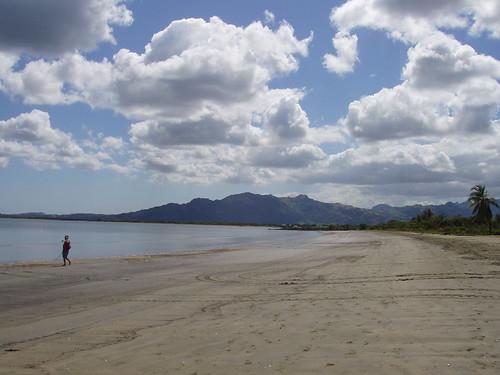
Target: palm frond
(475, 210)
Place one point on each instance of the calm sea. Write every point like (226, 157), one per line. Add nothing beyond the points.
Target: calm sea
(27, 240)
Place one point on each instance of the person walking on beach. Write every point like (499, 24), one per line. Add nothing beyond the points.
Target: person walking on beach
(66, 246)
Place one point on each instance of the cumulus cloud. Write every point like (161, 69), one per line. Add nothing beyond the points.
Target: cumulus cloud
(206, 131)
(486, 18)
(199, 164)
(197, 83)
(191, 70)
(299, 156)
(67, 80)
(373, 15)
(405, 172)
(449, 88)
(329, 134)
(197, 67)
(410, 21)
(415, 137)
(33, 127)
(226, 163)
(441, 62)
(202, 108)
(31, 137)
(440, 93)
(384, 163)
(285, 120)
(477, 16)
(343, 62)
(394, 113)
(53, 27)
(112, 144)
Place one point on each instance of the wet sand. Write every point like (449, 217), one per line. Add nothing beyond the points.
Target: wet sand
(341, 303)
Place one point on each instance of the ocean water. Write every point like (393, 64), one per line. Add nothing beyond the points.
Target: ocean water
(32, 240)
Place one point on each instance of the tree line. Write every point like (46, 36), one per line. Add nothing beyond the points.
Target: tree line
(480, 222)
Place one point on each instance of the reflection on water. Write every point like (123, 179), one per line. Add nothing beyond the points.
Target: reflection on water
(22, 239)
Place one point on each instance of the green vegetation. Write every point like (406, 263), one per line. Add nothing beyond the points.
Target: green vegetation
(326, 227)
(458, 225)
(481, 203)
(481, 221)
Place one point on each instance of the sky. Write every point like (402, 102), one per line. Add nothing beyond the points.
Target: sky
(110, 106)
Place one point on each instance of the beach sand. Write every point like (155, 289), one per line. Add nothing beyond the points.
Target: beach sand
(340, 303)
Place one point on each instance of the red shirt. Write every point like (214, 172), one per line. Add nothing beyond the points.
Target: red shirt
(66, 245)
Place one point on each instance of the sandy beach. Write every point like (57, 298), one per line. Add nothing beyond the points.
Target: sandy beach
(341, 303)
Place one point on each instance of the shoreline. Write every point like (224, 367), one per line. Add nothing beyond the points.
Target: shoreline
(351, 302)
(229, 224)
(143, 257)
(90, 240)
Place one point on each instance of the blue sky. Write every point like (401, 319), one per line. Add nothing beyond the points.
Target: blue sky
(359, 102)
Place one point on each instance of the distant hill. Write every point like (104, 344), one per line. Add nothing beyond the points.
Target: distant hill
(248, 208)
(408, 212)
(257, 209)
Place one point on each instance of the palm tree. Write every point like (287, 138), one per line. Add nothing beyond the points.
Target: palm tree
(481, 204)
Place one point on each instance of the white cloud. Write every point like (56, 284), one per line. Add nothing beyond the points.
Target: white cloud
(384, 163)
(52, 27)
(398, 194)
(206, 131)
(401, 172)
(203, 111)
(299, 156)
(436, 130)
(199, 164)
(486, 18)
(194, 69)
(286, 121)
(343, 62)
(404, 172)
(31, 137)
(371, 14)
(448, 89)
(191, 70)
(399, 112)
(410, 21)
(440, 62)
(198, 83)
(112, 144)
(478, 16)
(329, 134)
(33, 127)
(268, 17)
(64, 81)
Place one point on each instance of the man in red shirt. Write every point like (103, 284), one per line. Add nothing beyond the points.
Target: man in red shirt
(65, 252)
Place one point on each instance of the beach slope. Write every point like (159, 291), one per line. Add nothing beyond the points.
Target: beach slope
(341, 303)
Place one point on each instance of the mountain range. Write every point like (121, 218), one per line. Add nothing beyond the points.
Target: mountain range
(249, 208)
